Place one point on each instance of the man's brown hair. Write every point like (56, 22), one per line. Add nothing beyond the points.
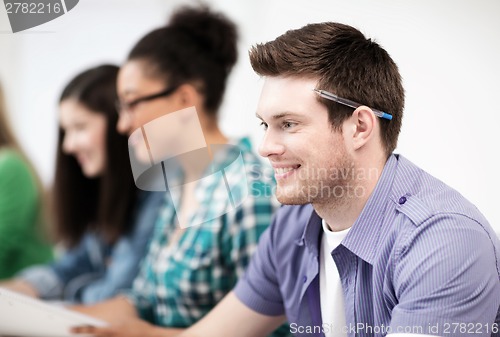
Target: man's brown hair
(346, 63)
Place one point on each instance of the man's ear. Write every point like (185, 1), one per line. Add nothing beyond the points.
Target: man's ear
(364, 124)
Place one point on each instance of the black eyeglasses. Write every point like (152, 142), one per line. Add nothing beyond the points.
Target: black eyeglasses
(130, 106)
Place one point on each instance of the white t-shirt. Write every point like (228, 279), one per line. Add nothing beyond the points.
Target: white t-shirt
(330, 287)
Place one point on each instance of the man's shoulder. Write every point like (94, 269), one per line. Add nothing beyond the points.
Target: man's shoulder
(428, 196)
(436, 214)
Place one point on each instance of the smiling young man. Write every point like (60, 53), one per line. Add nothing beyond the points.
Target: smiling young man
(370, 245)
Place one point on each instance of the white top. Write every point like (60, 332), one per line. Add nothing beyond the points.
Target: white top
(330, 287)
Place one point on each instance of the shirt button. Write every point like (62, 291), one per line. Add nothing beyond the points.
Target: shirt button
(304, 279)
(402, 200)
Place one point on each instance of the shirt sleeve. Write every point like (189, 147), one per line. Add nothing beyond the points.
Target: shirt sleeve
(18, 210)
(122, 269)
(83, 275)
(142, 293)
(126, 255)
(245, 226)
(258, 289)
(443, 286)
(50, 280)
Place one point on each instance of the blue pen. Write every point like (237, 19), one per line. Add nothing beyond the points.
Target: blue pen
(349, 103)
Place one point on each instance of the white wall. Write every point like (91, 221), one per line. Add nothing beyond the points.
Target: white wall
(447, 51)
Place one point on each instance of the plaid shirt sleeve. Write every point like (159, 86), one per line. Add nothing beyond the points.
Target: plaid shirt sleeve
(245, 228)
(142, 294)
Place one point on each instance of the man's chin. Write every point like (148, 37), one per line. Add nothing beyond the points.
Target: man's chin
(291, 199)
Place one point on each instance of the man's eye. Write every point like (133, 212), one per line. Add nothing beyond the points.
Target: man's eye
(263, 125)
(288, 125)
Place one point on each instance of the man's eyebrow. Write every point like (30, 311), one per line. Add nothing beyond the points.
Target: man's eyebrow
(280, 115)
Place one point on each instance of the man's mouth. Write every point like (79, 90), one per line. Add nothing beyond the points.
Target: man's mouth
(284, 171)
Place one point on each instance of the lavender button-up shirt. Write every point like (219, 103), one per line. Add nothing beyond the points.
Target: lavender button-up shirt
(419, 259)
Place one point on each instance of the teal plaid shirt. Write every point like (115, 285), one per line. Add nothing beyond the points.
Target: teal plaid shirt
(182, 281)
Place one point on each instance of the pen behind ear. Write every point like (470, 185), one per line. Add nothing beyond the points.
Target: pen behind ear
(344, 101)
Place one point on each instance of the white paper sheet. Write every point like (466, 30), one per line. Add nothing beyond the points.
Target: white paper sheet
(27, 317)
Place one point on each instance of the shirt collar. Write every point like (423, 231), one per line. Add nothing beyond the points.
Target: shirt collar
(311, 236)
(363, 237)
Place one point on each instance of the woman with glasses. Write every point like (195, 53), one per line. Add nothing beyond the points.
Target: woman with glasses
(104, 222)
(22, 241)
(170, 87)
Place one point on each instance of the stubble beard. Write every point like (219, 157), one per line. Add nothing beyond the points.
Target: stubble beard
(329, 187)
